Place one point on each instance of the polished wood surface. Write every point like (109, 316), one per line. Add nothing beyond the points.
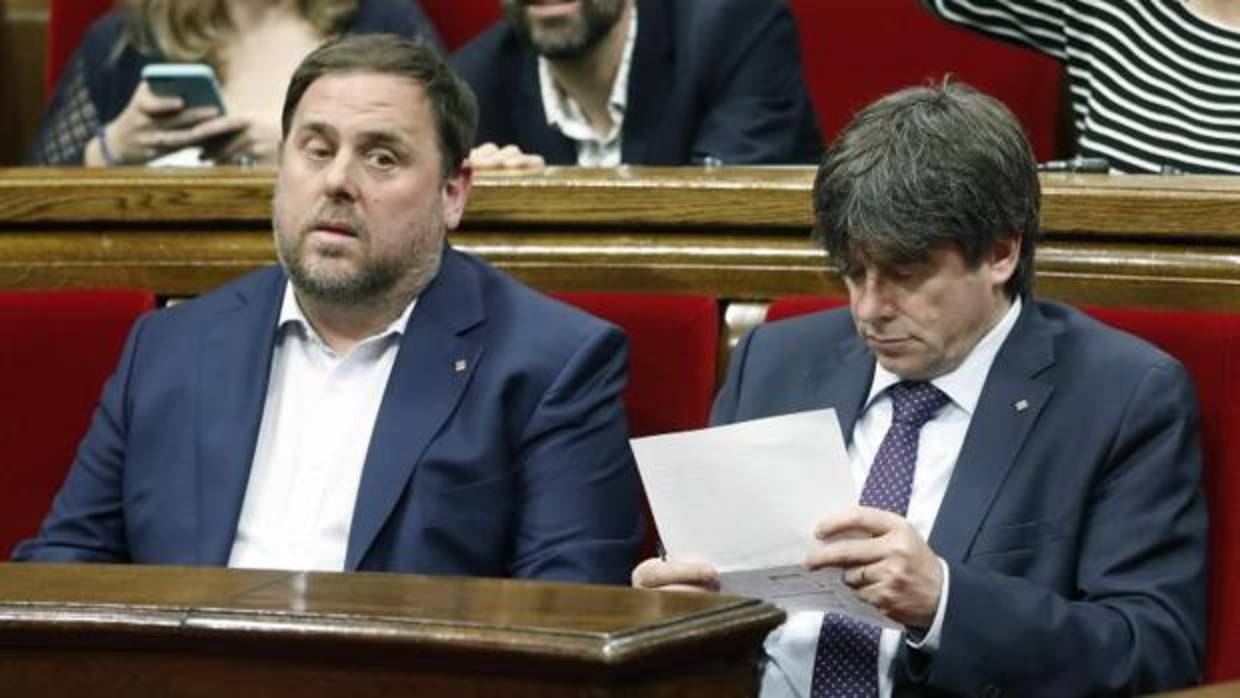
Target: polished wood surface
(200, 631)
(740, 233)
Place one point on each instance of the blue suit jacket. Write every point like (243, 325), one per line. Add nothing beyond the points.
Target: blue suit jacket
(1073, 525)
(517, 465)
(709, 78)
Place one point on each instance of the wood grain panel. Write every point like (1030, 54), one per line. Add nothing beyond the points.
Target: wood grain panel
(199, 631)
(740, 233)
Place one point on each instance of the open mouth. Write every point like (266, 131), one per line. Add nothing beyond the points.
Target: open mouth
(340, 229)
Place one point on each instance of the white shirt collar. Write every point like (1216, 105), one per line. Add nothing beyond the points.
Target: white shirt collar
(564, 113)
(291, 314)
(964, 384)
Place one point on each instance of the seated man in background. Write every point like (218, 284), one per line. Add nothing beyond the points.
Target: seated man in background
(103, 113)
(1032, 510)
(640, 82)
(379, 401)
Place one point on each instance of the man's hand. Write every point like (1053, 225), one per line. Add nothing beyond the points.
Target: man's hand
(884, 559)
(675, 576)
(489, 156)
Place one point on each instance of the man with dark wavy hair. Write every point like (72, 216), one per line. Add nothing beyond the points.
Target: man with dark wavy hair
(1032, 511)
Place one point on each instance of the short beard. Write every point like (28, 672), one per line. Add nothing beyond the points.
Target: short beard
(570, 39)
(375, 283)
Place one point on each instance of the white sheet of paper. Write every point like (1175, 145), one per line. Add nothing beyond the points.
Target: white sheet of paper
(745, 497)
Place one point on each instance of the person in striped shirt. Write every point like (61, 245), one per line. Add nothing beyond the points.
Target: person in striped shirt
(1155, 84)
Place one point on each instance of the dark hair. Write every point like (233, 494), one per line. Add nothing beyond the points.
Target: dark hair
(926, 166)
(452, 101)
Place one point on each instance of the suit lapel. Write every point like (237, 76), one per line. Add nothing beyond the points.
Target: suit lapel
(1011, 400)
(651, 78)
(530, 118)
(235, 369)
(432, 368)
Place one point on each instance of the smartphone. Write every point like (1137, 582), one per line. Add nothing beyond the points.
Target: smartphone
(194, 83)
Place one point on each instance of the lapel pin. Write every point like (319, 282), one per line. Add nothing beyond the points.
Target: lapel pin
(459, 365)
(1021, 405)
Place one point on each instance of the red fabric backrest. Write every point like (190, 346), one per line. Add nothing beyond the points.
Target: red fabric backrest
(855, 52)
(673, 343)
(59, 348)
(458, 21)
(67, 21)
(789, 306)
(1208, 344)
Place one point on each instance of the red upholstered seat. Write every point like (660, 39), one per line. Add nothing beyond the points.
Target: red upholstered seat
(799, 305)
(1208, 344)
(58, 348)
(673, 345)
(855, 52)
(458, 21)
(673, 342)
(67, 21)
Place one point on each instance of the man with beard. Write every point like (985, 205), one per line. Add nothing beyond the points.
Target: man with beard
(640, 82)
(379, 401)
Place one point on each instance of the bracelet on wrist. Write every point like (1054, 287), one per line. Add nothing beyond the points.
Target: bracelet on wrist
(108, 158)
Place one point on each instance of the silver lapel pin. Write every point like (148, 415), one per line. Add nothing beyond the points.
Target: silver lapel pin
(1021, 405)
(459, 365)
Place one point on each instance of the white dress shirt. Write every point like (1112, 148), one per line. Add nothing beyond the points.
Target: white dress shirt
(790, 649)
(317, 421)
(565, 114)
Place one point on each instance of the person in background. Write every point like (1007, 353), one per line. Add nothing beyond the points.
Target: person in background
(1032, 511)
(378, 400)
(1155, 86)
(102, 113)
(640, 82)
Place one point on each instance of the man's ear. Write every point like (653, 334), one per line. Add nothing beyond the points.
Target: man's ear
(1003, 259)
(456, 193)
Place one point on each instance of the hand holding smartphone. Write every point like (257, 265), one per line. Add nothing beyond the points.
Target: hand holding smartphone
(194, 83)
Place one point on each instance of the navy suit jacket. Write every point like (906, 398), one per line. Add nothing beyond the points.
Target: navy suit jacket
(709, 78)
(1073, 525)
(500, 447)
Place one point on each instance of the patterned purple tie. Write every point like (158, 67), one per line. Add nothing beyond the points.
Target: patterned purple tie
(846, 662)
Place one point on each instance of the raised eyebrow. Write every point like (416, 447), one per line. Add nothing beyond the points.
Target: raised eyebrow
(317, 128)
(384, 137)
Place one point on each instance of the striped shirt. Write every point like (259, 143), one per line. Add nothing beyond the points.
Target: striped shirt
(1154, 86)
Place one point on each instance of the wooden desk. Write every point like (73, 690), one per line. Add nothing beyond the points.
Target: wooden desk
(112, 630)
(736, 232)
